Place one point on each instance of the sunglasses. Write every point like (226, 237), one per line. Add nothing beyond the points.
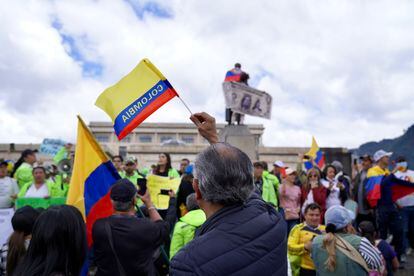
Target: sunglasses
(313, 175)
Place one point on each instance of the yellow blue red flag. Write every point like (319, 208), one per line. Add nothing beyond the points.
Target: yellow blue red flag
(135, 97)
(316, 154)
(92, 177)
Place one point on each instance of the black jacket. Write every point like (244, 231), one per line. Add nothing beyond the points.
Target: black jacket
(248, 239)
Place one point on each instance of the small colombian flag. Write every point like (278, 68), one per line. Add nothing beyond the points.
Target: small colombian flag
(317, 155)
(135, 97)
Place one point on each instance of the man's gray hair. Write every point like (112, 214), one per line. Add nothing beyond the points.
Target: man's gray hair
(191, 202)
(122, 206)
(224, 174)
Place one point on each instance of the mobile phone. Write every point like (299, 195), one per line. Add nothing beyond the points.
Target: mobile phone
(164, 191)
(142, 184)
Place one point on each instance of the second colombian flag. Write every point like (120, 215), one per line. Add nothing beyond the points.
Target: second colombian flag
(135, 97)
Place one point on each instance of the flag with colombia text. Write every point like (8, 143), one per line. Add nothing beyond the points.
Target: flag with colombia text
(135, 97)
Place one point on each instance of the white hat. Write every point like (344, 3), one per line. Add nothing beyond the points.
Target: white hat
(279, 163)
(380, 154)
(289, 171)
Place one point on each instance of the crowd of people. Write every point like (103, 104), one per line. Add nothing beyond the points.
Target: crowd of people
(229, 216)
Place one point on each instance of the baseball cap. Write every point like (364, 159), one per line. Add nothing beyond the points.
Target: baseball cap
(339, 216)
(279, 163)
(131, 159)
(123, 191)
(380, 154)
(289, 171)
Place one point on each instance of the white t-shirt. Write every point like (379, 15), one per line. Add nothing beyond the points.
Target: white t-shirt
(333, 197)
(407, 200)
(8, 187)
(43, 191)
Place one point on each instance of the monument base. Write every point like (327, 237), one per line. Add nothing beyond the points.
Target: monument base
(240, 137)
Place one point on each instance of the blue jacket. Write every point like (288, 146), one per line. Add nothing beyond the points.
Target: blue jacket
(243, 239)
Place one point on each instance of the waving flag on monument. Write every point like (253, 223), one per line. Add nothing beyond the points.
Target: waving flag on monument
(232, 75)
(316, 154)
(92, 177)
(135, 97)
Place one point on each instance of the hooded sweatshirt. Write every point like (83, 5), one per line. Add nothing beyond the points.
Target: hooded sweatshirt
(185, 228)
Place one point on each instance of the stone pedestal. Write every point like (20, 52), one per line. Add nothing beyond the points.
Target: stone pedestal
(240, 137)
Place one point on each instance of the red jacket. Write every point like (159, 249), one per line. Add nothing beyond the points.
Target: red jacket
(320, 194)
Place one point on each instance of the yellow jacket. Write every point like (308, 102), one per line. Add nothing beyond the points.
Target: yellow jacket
(298, 237)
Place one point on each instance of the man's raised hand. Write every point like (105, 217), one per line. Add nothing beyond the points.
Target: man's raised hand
(206, 125)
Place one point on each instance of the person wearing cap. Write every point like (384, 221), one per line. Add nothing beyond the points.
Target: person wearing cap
(340, 251)
(300, 240)
(22, 170)
(278, 168)
(131, 171)
(123, 243)
(368, 231)
(388, 216)
(263, 186)
(186, 226)
(13, 251)
(8, 187)
(364, 211)
(406, 203)
(290, 196)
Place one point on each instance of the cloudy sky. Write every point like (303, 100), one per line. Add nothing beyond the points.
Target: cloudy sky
(342, 71)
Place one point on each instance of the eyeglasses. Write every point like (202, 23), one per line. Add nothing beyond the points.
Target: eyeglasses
(313, 175)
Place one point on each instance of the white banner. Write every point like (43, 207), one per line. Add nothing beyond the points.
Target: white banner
(5, 224)
(247, 100)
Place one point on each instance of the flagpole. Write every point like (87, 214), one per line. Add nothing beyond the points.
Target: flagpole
(185, 105)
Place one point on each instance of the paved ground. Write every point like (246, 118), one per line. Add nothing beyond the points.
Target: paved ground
(408, 267)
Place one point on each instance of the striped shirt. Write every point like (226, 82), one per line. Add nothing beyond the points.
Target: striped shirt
(370, 254)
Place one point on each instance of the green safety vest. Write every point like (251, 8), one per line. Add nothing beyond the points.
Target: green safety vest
(133, 178)
(173, 173)
(24, 174)
(54, 191)
(184, 230)
(268, 191)
(275, 182)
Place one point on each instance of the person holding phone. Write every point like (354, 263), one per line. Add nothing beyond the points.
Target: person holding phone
(131, 172)
(313, 191)
(123, 243)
